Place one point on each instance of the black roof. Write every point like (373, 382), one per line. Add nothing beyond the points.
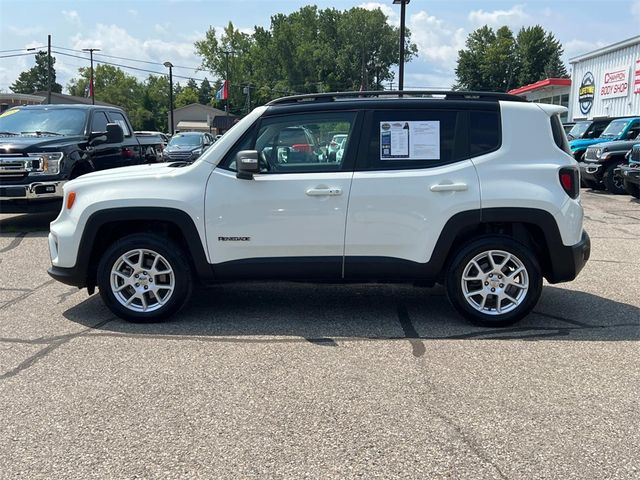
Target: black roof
(74, 106)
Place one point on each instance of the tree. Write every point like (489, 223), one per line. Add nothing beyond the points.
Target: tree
(307, 51)
(204, 92)
(496, 61)
(539, 55)
(35, 79)
(187, 96)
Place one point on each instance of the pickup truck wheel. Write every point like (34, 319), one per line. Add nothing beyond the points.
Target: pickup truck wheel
(613, 182)
(144, 278)
(494, 281)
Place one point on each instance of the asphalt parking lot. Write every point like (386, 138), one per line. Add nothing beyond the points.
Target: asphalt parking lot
(323, 381)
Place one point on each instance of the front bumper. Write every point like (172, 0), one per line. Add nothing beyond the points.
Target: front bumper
(34, 197)
(630, 174)
(567, 262)
(591, 171)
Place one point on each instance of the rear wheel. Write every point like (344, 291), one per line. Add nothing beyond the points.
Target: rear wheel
(494, 281)
(613, 182)
(144, 278)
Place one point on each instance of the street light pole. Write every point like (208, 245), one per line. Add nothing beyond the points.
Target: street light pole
(227, 53)
(91, 85)
(49, 68)
(169, 65)
(403, 4)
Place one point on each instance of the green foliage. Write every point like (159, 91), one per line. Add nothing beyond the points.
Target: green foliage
(498, 61)
(309, 50)
(187, 96)
(35, 79)
(204, 92)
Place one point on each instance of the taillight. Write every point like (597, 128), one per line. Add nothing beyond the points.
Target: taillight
(128, 152)
(301, 147)
(570, 181)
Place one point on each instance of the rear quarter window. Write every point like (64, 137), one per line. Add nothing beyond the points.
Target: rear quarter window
(559, 136)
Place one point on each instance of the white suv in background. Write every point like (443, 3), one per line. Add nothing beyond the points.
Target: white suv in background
(477, 191)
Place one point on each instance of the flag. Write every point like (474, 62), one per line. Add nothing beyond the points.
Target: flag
(223, 93)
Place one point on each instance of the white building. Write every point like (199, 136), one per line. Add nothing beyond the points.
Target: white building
(606, 82)
(555, 91)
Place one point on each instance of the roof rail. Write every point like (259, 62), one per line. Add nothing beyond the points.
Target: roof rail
(447, 94)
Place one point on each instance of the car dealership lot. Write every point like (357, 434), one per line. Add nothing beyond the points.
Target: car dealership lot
(323, 381)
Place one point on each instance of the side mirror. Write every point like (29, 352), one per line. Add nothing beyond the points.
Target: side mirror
(114, 134)
(247, 164)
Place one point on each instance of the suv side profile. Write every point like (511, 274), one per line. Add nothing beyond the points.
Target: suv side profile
(473, 190)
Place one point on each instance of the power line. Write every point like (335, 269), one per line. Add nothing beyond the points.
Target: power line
(18, 55)
(130, 67)
(131, 59)
(22, 49)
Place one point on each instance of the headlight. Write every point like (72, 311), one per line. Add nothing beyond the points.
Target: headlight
(49, 163)
(197, 151)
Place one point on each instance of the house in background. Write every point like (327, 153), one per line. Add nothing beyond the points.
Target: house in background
(8, 100)
(201, 118)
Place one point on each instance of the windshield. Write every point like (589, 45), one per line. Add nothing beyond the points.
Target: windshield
(54, 121)
(615, 128)
(578, 129)
(185, 140)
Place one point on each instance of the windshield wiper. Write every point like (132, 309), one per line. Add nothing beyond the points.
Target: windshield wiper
(42, 132)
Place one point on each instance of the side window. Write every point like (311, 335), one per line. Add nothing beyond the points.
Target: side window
(118, 118)
(633, 131)
(484, 132)
(598, 128)
(298, 143)
(407, 139)
(99, 122)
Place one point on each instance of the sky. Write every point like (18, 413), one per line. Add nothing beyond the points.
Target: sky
(165, 30)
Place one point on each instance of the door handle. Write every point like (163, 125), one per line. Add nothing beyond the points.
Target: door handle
(449, 187)
(324, 192)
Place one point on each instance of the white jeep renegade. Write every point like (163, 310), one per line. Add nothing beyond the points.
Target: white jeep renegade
(476, 191)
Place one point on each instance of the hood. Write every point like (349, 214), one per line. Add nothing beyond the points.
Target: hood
(586, 142)
(182, 148)
(138, 171)
(619, 145)
(35, 143)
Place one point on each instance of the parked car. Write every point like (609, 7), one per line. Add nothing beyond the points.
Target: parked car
(568, 126)
(187, 146)
(631, 173)
(148, 133)
(335, 144)
(589, 132)
(601, 162)
(44, 146)
(435, 190)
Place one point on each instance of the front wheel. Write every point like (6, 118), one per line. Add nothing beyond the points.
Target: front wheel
(494, 281)
(613, 182)
(144, 278)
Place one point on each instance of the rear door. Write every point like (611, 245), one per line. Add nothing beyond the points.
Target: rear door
(413, 175)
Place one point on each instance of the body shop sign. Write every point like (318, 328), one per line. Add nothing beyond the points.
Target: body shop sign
(615, 83)
(636, 82)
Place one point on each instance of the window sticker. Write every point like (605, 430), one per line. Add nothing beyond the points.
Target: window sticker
(401, 140)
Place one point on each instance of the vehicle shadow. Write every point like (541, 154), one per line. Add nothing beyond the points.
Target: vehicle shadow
(13, 225)
(324, 314)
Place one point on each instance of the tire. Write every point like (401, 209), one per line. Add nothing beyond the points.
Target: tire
(632, 189)
(162, 263)
(613, 182)
(524, 288)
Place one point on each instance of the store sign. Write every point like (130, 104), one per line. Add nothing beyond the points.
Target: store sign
(587, 92)
(636, 82)
(615, 83)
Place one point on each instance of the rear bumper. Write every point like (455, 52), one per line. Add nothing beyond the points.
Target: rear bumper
(567, 262)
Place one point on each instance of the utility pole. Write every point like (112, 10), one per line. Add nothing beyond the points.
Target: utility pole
(49, 66)
(403, 5)
(91, 85)
(227, 53)
(169, 65)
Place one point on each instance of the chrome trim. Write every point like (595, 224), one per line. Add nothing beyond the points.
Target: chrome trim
(30, 191)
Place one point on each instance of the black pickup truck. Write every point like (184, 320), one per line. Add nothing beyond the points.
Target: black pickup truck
(43, 146)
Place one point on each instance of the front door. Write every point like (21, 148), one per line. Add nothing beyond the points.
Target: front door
(289, 220)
